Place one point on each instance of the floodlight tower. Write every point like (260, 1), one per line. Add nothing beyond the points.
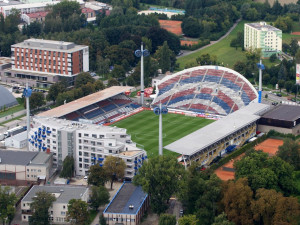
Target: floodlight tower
(27, 93)
(159, 111)
(261, 67)
(142, 53)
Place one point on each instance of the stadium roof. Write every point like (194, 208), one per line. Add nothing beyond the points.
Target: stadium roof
(85, 101)
(6, 98)
(63, 194)
(218, 130)
(127, 195)
(284, 112)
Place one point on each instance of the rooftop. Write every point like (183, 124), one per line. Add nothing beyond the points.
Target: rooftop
(63, 194)
(284, 112)
(263, 26)
(87, 10)
(37, 14)
(19, 137)
(85, 101)
(127, 195)
(220, 129)
(21, 158)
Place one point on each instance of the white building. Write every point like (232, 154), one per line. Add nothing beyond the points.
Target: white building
(263, 36)
(63, 195)
(88, 143)
(17, 141)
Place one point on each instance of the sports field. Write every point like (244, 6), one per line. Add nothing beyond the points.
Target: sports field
(143, 128)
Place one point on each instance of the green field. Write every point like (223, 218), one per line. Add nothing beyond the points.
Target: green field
(143, 128)
(225, 54)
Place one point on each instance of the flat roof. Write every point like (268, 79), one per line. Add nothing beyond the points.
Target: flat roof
(85, 101)
(262, 25)
(218, 130)
(63, 193)
(127, 195)
(21, 158)
(284, 112)
(19, 137)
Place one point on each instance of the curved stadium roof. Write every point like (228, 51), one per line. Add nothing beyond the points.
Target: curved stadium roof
(206, 89)
(6, 98)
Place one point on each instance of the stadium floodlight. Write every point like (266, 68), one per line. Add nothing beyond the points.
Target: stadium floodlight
(159, 111)
(261, 67)
(27, 93)
(142, 53)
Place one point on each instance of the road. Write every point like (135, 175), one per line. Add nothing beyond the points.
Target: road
(185, 53)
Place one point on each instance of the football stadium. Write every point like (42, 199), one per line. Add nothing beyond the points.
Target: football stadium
(203, 104)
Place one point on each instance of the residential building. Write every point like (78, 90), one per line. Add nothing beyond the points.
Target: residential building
(128, 206)
(59, 208)
(263, 36)
(43, 62)
(89, 144)
(23, 167)
(29, 18)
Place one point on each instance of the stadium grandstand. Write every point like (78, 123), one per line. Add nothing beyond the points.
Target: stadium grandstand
(98, 108)
(220, 137)
(206, 89)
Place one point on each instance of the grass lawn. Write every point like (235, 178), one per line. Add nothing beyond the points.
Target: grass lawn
(143, 128)
(12, 110)
(225, 54)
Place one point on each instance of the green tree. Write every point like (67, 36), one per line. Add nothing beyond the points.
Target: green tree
(273, 57)
(118, 72)
(191, 27)
(112, 82)
(288, 86)
(290, 152)
(115, 168)
(188, 220)
(97, 176)
(37, 99)
(159, 177)
(7, 200)
(102, 220)
(100, 196)
(78, 212)
(83, 79)
(40, 208)
(222, 220)
(167, 219)
(163, 55)
(68, 167)
(54, 90)
(284, 23)
(281, 84)
(206, 59)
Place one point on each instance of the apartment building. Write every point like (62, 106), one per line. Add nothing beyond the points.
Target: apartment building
(43, 62)
(29, 18)
(89, 144)
(59, 208)
(263, 36)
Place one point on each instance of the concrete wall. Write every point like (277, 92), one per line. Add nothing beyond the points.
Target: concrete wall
(294, 131)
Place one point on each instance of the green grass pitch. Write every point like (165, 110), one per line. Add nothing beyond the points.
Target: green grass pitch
(143, 128)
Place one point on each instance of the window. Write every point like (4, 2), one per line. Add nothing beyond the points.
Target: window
(63, 213)
(86, 135)
(79, 135)
(64, 207)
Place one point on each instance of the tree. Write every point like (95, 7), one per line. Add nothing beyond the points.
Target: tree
(206, 59)
(167, 219)
(40, 208)
(290, 152)
(163, 55)
(188, 220)
(7, 200)
(36, 100)
(115, 168)
(68, 167)
(273, 57)
(97, 176)
(159, 177)
(280, 84)
(54, 90)
(112, 82)
(118, 72)
(222, 220)
(191, 27)
(82, 79)
(102, 220)
(288, 86)
(78, 212)
(237, 197)
(284, 23)
(100, 196)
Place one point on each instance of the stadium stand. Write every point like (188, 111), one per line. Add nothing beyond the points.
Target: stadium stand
(206, 89)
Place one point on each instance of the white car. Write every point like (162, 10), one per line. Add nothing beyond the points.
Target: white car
(85, 177)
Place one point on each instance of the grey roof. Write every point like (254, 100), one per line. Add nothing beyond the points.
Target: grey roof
(64, 193)
(41, 158)
(127, 195)
(20, 136)
(218, 130)
(6, 98)
(16, 157)
(263, 25)
(284, 112)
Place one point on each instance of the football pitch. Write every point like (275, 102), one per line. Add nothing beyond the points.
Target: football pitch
(143, 128)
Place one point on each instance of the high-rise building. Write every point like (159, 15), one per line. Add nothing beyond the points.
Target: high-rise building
(44, 62)
(263, 36)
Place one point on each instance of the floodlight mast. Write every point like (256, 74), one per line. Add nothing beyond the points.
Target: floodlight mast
(260, 67)
(27, 110)
(160, 132)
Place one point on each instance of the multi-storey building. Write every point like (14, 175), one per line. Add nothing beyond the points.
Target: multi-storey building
(43, 62)
(263, 36)
(89, 144)
(59, 208)
(29, 18)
